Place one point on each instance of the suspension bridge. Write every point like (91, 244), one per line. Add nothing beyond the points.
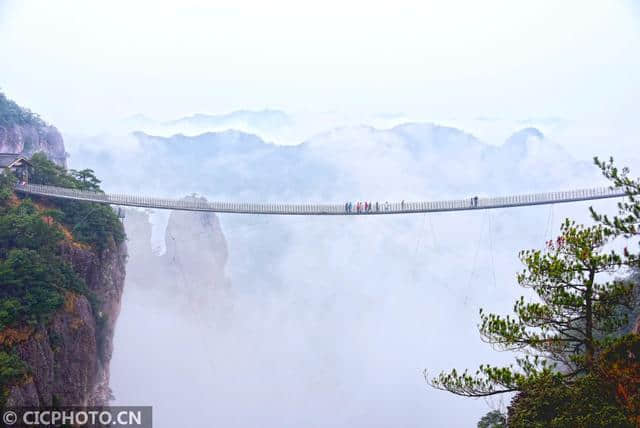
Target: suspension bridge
(376, 207)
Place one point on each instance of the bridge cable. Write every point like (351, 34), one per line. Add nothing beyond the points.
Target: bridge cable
(475, 257)
(436, 244)
(437, 248)
(415, 254)
(493, 266)
(190, 303)
(551, 213)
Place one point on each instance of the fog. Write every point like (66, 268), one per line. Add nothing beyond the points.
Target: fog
(242, 321)
(324, 321)
(341, 337)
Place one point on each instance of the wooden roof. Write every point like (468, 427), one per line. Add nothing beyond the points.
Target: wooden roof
(7, 160)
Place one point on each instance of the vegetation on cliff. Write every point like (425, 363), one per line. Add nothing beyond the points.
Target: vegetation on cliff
(94, 224)
(12, 114)
(35, 275)
(578, 367)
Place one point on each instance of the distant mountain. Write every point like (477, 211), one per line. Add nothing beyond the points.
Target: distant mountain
(325, 294)
(521, 137)
(429, 138)
(262, 120)
(414, 160)
(208, 144)
(529, 151)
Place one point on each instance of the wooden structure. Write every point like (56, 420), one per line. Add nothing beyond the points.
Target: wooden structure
(17, 164)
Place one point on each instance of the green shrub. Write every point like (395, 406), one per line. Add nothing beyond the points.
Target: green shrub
(32, 286)
(12, 369)
(549, 403)
(34, 275)
(493, 419)
(23, 227)
(94, 224)
(11, 113)
(7, 181)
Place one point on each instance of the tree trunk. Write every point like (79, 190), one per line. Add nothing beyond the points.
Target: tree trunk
(588, 301)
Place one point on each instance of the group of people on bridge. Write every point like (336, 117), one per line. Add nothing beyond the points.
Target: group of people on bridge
(367, 207)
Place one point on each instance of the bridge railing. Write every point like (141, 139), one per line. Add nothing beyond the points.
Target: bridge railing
(321, 209)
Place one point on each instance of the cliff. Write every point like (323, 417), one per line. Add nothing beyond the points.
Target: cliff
(196, 250)
(194, 263)
(62, 271)
(176, 310)
(22, 131)
(30, 139)
(68, 357)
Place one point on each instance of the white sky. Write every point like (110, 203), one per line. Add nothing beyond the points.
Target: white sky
(86, 62)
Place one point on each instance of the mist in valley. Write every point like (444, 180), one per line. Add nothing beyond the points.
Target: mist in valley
(288, 321)
(323, 321)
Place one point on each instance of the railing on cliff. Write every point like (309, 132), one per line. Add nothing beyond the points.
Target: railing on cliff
(323, 209)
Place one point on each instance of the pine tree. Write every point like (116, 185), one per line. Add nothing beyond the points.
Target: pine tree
(580, 304)
(626, 224)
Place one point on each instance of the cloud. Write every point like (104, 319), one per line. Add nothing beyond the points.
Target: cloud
(330, 321)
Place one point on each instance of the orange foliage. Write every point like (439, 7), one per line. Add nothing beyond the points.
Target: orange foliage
(14, 201)
(11, 336)
(42, 206)
(77, 323)
(621, 366)
(70, 304)
(70, 300)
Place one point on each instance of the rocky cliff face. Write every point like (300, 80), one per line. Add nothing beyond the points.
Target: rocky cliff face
(196, 250)
(195, 259)
(175, 307)
(28, 139)
(69, 357)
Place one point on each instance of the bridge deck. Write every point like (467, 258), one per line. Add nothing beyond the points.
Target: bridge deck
(322, 209)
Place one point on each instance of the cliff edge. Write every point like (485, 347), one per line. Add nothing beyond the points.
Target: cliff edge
(23, 132)
(67, 358)
(62, 272)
